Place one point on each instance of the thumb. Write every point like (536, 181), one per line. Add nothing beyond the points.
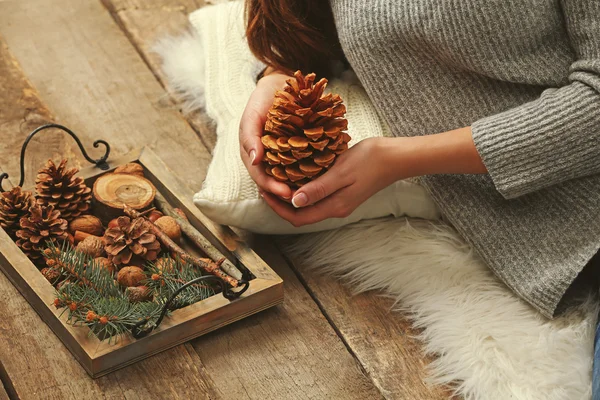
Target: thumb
(317, 190)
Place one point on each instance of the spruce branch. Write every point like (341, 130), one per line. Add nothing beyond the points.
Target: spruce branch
(107, 317)
(164, 283)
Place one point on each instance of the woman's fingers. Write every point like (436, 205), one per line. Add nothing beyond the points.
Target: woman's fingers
(265, 182)
(251, 148)
(322, 187)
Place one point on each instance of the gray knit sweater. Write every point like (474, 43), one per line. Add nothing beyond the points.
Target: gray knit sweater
(526, 76)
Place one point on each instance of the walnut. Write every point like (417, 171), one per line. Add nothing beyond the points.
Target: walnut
(88, 224)
(170, 227)
(130, 276)
(154, 215)
(105, 263)
(93, 246)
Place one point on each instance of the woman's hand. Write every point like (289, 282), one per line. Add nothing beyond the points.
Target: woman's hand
(373, 164)
(251, 130)
(356, 175)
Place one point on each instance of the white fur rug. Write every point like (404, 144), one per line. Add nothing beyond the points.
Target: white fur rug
(489, 344)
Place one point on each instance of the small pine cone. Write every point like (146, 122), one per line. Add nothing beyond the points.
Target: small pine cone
(14, 205)
(59, 187)
(92, 246)
(136, 294)
(129, 238)
(304, 132)
(50, 274)
(42, 225)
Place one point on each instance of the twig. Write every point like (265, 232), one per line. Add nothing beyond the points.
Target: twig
(205, 246)
(205, 264)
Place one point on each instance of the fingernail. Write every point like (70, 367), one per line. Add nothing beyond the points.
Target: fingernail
(287, 198)
(252, 156)
(299, 200)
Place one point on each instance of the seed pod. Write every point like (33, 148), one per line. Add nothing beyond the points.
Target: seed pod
(130, 276)
(170, 227)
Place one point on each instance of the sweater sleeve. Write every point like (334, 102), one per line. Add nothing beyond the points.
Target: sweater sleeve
(556, 137)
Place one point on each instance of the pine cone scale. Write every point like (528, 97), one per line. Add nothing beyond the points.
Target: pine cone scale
(128, 238)
(43, 224)
(59, 187)
(14, 205)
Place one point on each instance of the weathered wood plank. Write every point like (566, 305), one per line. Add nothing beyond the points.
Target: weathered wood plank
(3, 394)
(145, 23)
(288, 355)
(34, 360)
(105, 84)
(382, 340)
(21, 112)
(86, 69)
(6, 385)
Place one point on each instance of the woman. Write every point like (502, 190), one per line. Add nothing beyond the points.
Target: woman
(494, 104)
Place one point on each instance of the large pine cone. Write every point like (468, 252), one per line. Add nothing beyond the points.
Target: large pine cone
(42, 225)
(130, 238)
(14, 205)
(304, 132)
(59, 187)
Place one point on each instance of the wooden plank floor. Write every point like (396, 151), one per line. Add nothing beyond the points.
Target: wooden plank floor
(88, 64)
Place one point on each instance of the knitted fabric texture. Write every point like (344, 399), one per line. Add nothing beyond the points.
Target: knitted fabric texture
(526, 77)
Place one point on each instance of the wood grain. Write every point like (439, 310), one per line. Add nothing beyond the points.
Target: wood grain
(87, 70)
(382, 340)
(286, 346)
(84, 67)
(145, 23)
(21, 112)
(34, 359)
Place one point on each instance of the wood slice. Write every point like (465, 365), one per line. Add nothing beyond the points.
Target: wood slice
(113, 191)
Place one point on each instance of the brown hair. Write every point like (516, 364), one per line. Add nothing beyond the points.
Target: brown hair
(292, 35)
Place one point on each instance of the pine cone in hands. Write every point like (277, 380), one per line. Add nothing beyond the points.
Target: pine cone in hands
(304, 132)
(59, 187)
(129, 238)
(14, 205)
(43, 224)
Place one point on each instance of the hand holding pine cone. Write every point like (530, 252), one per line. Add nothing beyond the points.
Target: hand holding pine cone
(304, 132)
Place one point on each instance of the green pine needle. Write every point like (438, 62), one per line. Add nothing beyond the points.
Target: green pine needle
(91, 296)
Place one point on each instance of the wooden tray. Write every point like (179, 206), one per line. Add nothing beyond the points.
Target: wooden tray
(99, 357)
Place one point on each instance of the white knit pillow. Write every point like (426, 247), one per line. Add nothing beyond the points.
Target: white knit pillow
(217, 64)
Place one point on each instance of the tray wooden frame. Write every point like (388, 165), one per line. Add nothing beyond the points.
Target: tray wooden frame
(98, 357)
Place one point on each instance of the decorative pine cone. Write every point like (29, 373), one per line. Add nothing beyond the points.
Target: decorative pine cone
(14, 205)
(43, 224)
(129, 238)
(59, 187)
(304, 132)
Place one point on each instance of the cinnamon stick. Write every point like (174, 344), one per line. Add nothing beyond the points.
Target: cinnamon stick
(196, 237)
